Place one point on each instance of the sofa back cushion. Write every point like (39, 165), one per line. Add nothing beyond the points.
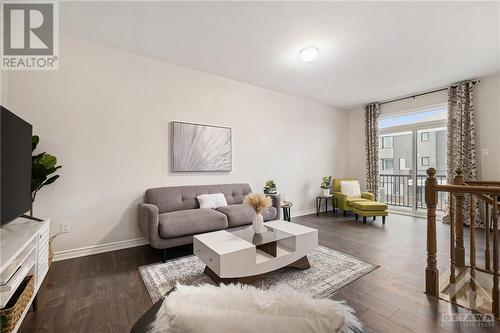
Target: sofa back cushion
(170, 199)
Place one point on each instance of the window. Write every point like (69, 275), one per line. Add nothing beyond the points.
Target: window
(414, 140)
(415, 118)
(387, 164)
(387, 142)
(402, 164)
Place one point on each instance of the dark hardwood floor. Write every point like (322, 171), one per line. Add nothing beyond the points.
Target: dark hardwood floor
(104, 292)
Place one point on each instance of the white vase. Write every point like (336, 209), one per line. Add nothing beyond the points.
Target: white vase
(258, 223)
(326, 191)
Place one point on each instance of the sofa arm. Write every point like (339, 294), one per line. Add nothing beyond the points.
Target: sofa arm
(276, 204)
(149, 222)
(368, 195)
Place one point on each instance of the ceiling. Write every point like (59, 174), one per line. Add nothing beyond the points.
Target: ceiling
(369, 51)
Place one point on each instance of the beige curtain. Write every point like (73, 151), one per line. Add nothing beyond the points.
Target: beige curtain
(461, 149)
(372, 115)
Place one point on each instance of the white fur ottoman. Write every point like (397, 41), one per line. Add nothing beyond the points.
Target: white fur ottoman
(245, 309)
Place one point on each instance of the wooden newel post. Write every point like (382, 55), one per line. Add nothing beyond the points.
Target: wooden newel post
(431, 271)
(459, 225)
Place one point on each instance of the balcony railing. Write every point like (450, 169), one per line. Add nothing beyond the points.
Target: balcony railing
(397, 190)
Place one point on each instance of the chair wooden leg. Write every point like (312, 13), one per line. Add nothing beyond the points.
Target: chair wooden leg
(356, 215)
(345, 213)
(374, 218)
(383, 219)
(364, 219)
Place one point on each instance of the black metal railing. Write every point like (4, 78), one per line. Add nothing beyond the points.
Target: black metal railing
(397, 190)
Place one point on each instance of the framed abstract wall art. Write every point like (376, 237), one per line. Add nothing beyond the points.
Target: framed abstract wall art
(199, 148)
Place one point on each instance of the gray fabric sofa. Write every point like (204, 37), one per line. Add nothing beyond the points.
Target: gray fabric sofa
(170, 216)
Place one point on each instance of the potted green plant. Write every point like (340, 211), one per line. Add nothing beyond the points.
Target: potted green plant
(326, 184)
(43, 165)
(270, 187)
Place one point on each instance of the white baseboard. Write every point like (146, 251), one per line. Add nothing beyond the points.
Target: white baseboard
(304, 212)
(95, 249)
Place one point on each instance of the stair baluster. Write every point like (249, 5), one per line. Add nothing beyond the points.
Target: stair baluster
(487, 258)
(459, 225)
(452, 248)
(495, 291)
(472, 259)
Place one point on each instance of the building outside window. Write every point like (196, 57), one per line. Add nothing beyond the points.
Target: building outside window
(410, 143)
(387, 142)
(387, 164)
(402, 164)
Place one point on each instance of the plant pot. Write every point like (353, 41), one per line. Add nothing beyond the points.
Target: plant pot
(258, 223)
(326, 191)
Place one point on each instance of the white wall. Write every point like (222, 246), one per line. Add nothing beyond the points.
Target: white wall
(3, 87)
(106, 115)
(487, 107)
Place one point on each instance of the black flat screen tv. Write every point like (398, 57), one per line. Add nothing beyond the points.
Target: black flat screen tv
(15, 166)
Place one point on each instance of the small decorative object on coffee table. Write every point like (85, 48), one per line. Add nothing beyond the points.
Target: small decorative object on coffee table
(326, 185)
(242, 256)
(258, 201)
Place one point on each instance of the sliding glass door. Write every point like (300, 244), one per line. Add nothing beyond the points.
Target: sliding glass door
(396, 158)
(431, 152)
(409, 145)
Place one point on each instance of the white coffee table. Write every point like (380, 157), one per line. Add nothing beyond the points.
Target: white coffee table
(242, 256)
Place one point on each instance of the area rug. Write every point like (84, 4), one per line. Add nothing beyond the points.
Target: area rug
(330, 270)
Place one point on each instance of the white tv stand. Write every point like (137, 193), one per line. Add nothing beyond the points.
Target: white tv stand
(24, 251)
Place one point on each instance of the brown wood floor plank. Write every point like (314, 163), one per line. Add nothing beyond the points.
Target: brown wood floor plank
(104, 292)
(381, 324)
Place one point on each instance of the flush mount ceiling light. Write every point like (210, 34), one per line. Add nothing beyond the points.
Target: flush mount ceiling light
(308, 54)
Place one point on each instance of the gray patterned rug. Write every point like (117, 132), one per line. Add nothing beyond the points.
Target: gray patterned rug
(330, 270)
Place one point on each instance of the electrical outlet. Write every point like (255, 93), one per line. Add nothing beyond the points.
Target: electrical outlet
(65, 227)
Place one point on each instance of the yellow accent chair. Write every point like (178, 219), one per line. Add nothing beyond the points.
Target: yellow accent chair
(345, 203)
(366, 206)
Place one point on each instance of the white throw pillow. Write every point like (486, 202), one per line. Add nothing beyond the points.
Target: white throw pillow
(350, 188)
(215, 200)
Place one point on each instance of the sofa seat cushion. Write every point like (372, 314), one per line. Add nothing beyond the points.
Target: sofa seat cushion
(369, 205)
(190, 222)
(241, 214)
(350, 201)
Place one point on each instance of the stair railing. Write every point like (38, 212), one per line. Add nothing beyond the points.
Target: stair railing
(489, 193)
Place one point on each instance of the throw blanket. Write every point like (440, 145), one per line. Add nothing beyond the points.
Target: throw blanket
(246, 309)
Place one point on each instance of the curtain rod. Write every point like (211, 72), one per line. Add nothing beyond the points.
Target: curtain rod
(424, 93)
